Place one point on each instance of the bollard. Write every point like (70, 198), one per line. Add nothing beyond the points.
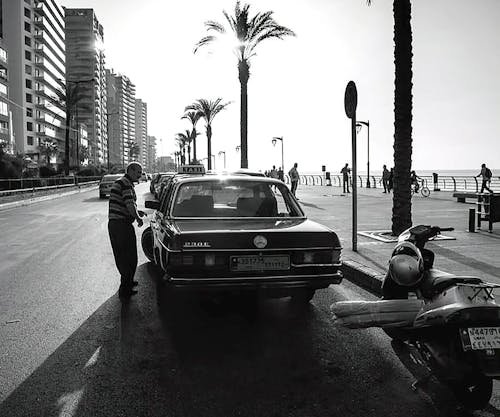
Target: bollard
(472, 220)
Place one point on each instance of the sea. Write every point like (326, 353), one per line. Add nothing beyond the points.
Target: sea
(424, 173)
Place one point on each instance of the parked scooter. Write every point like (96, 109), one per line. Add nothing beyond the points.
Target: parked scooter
(450, 324)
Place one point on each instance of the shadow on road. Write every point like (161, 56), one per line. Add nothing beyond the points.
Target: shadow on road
(181, 355)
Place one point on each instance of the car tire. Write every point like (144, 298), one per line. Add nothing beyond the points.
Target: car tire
(147, 244)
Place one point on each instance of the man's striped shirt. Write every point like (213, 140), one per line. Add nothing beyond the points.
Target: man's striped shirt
(122, 200)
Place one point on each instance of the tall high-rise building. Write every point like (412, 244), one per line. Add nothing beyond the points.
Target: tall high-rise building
(141, 130)
(85, 72)
(151, 154)
(121, 114)
(6, 140)
(33, 32)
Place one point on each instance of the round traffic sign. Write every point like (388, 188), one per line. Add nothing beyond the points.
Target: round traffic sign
(350, 99)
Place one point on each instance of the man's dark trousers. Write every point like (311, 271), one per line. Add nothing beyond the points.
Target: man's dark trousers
(123, 242)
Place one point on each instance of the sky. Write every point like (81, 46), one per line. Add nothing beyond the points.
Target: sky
(296, 87)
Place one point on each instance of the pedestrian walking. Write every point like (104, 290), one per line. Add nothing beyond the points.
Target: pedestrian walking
(122, 214)
(294, 177)
(486, 174)
(345, 177)
(281, 174)
(274, 173)
(390, 181)
(385, 178)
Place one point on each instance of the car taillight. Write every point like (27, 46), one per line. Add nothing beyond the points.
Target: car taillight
(178, 259)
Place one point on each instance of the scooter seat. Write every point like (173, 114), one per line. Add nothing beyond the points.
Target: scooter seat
(437, 281)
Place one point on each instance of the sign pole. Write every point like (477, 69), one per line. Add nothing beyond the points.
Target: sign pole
(354, 186)
(350, 104)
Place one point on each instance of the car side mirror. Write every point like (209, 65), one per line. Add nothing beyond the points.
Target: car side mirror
(155, 205)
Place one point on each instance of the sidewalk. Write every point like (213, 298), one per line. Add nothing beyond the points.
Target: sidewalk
(476, 254)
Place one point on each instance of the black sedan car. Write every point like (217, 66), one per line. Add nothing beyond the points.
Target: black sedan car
(239, 233)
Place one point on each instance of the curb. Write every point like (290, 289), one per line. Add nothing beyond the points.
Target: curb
(33, 200)
(363, 276)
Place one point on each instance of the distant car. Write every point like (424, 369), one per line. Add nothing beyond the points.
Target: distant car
(156, 177)
(106, 184)
(144, 176)
(235, 233)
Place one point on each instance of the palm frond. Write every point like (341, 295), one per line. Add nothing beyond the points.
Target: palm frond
(204, 41)
(215, 26)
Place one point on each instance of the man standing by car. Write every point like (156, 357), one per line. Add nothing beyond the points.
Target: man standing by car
(122, 213)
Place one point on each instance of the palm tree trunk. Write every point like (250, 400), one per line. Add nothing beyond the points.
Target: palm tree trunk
(401, 210)
(244, 74)
(194, 149)
(209, 146)
(66, 143)
(189, 154)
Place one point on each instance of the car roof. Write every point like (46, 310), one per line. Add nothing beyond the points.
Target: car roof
(214, 177)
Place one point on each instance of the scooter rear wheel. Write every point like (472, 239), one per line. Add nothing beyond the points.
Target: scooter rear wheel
(474, 396)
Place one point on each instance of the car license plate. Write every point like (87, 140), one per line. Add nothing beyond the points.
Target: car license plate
(260, 263)
(480, 338)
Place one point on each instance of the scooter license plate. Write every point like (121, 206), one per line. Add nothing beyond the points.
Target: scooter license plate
(480, 338)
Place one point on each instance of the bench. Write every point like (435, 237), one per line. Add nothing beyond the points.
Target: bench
(462, 195)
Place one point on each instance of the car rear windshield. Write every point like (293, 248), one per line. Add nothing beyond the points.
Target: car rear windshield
(234, 198)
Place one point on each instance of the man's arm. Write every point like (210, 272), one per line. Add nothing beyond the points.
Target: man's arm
(128, 197)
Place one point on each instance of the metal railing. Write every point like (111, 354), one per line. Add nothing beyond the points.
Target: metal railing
(12, 185)
(444, 183)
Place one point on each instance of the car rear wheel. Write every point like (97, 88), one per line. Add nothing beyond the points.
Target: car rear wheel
(147, 244)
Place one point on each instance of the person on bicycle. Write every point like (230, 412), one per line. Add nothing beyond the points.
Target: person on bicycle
(415, 181)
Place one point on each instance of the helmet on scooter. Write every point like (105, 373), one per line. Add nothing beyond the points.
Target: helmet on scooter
(406, 266)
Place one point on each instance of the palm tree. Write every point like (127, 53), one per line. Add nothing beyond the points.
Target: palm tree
(70, 100)
(193, 117)
(185, 139)
(47, 148)
(401, 208)
(134, 150)
(182, 148)
(208, 110)
(248, 33)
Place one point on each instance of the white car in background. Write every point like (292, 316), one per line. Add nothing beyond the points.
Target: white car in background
(106, 184)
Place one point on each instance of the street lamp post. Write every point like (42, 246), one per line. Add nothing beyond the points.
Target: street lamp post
(276, 138)
(223, 152)
(359, 126)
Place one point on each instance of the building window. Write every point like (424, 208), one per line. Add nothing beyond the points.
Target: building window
(3, 54)
(27, 55)
(29, 98)
(29, 126)
(27, 41)
(3, 108)
(30, 140)
(27, 13)
(28, 69)
(3, 89)
(29, 112)
(29, 83)
(27, 27)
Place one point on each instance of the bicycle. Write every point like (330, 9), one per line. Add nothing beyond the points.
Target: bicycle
(424, 190)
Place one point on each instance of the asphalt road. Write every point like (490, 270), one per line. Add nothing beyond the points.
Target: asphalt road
(69, 347)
